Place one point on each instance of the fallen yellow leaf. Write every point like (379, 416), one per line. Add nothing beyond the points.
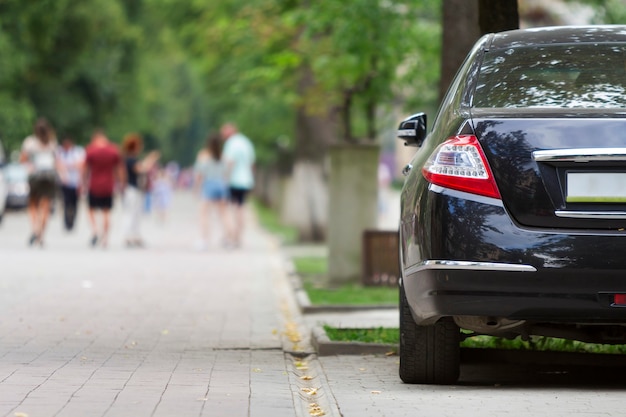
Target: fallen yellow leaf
(316, 410)
(306, 377)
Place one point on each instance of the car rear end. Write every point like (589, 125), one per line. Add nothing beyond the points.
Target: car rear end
(530, 198)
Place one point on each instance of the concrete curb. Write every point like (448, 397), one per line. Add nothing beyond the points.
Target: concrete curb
(325, 347)
(343, 308)
(319, 339)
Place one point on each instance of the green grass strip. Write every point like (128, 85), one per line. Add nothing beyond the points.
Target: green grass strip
(376, 335)
(536, 343)
(269, 220)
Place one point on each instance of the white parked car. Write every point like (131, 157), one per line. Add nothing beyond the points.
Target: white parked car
(16, 179)
(4, 186)
(4, 190)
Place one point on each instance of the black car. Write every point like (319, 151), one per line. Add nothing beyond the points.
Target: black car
(513, 211)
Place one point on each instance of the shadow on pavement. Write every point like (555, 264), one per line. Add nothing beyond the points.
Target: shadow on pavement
(520, 369)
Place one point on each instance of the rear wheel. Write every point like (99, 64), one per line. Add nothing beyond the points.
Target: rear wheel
(428, 354)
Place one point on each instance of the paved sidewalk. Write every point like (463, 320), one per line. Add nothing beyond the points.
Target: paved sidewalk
(161, 331)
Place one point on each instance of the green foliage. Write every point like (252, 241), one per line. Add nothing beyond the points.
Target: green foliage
(541, 343)
(358, 52)
(239, 50)
(254, 53)
(613, 12)
(90, 63)
(176, 70)
(536, 343)
(71, 62)
(606, 11)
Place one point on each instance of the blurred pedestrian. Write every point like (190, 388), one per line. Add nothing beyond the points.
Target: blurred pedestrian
(239, 157)
(70, 158)
(103, 166)
(210, 182)
(38, 153)
(162, 193)
(137, 173)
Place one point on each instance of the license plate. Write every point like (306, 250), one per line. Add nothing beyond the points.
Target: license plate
(596, 187)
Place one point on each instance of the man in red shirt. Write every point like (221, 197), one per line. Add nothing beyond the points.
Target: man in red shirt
(103, 166)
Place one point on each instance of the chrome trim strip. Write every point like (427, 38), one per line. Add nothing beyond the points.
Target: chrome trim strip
(406, 132)
(465, 196)
(469, 265)
(580, 155)
(611, 215)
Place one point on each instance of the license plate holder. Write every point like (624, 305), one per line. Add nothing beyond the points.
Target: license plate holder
(595, 187)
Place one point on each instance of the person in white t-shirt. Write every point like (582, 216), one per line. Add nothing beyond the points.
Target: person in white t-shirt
(39, 156)
(239, 157)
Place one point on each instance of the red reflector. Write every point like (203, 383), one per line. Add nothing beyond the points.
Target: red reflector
(619, 299)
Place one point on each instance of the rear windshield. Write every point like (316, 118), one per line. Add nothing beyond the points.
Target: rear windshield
(561, 76)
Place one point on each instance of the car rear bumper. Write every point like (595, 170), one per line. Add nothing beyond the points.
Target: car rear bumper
(473, 260)
(16, 201)
(439, 289)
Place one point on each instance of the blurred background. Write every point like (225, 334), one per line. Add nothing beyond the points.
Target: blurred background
(297, 76)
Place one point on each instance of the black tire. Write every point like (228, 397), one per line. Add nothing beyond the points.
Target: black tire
(428, 354)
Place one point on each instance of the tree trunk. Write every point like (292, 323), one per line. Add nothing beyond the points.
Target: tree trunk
(497, 15)
(314, 131)
(460, 32)
(346, 116)
(370, 119)
(305, 200)
(464, 22)
(352, 209)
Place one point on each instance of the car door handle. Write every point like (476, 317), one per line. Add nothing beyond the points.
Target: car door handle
(407, 168)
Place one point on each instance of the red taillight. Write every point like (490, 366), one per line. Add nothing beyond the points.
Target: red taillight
(619, 299)
(459, 163)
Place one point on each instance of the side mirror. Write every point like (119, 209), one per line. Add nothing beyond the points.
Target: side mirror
(413, 130)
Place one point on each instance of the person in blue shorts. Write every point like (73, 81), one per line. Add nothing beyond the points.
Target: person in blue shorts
(210, 181)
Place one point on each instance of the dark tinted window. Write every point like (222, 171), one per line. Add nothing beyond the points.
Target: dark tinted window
(564, 76)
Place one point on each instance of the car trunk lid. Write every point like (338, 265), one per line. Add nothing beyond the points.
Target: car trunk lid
(558, 170)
